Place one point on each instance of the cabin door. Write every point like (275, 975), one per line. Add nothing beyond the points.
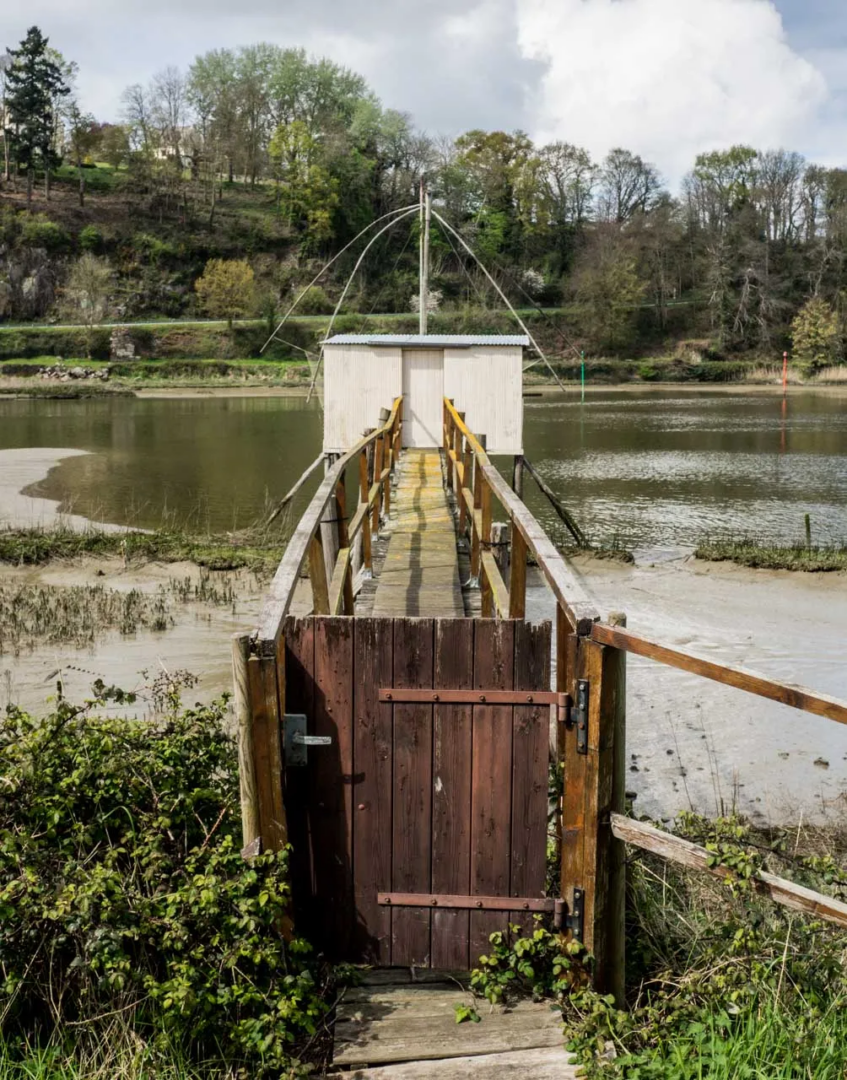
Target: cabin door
(423, 397)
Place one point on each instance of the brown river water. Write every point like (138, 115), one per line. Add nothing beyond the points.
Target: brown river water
(654, 470)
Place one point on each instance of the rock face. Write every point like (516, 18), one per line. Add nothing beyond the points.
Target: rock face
(27, 283)
(63, 374)
(121, 345)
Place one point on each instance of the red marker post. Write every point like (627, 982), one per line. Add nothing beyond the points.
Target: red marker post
(784, 373)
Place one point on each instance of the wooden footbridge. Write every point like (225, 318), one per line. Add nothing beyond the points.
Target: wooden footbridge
(398, 719)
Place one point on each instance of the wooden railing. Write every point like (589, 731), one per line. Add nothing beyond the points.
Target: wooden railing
(593, 828)
(334, 595)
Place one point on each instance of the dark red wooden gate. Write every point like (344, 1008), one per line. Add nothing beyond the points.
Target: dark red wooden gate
(436, 798)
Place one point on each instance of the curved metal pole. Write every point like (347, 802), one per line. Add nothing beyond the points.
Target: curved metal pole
(315, 280)
(502, 295)
(360, 260)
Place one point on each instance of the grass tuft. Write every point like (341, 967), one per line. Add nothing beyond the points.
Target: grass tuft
(762, 556)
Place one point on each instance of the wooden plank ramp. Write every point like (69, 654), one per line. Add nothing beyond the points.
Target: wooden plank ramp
(401, 1025)
(420, 574)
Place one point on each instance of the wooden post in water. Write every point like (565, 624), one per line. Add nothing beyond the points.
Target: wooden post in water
(517, 476)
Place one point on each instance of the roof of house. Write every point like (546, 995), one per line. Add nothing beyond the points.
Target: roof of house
(429, 341)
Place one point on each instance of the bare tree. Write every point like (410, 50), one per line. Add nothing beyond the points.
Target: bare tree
(627, 185)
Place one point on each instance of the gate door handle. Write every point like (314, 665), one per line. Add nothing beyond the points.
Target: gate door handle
(296, 742)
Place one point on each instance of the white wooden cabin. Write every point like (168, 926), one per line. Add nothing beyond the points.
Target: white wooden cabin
(482, 374)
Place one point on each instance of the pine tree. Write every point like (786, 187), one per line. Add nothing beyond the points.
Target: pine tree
(35, 84)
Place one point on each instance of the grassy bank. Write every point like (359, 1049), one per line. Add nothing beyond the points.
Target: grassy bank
(762, 556)
(36, 547)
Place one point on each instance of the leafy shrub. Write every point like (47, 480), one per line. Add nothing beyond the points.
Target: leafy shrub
(816, 335)
(151, 249)
(648, 372)
(122, 888)
(91, 239)
(315, 302)
(38, 231)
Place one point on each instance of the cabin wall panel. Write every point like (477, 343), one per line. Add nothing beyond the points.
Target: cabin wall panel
(486, 383)
(358, 381)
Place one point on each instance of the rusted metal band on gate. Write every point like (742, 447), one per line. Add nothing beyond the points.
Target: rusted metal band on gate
(469, 903)
(396, 696)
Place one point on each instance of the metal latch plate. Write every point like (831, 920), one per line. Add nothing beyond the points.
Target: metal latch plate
(581, 712)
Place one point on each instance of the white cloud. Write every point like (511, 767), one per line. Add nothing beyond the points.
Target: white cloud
(668, 78)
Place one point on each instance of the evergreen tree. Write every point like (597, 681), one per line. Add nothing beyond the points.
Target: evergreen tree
(35, 84)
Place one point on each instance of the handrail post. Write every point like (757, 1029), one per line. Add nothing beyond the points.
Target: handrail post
(467, 458)
(318, 576)
(448, 442)
(476, 520)
(344, 542)
(517, 575)
(367, 554)
(378, 457)
(485, 543)
(457, 453)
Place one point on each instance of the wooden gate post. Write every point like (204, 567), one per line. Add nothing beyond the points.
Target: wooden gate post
(259, 704)
(593, 861)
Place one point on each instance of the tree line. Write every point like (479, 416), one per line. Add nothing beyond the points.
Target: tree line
(750, 237)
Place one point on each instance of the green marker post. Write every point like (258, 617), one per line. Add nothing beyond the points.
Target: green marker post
(582, 354)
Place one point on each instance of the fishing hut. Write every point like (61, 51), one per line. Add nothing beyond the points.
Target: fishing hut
(400, 717)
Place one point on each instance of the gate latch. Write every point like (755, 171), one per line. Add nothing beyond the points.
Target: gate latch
(296, 741)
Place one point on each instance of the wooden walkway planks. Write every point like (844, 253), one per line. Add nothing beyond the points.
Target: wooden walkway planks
(420, 575)
(408, 1031)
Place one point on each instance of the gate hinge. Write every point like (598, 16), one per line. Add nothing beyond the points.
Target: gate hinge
(576, 715)
(575, 921)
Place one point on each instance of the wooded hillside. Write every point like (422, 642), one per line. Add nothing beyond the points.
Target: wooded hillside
(268, 156)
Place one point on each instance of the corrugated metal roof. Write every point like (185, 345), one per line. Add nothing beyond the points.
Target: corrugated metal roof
(428, 341)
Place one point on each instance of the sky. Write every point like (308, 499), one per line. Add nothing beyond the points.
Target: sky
(665, 78)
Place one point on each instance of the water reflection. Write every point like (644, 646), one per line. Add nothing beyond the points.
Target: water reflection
(654, 468)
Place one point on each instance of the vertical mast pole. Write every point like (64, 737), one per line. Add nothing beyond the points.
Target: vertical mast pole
(425, 286)
(421, 270)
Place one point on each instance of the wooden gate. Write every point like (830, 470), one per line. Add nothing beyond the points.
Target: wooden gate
(444, 799)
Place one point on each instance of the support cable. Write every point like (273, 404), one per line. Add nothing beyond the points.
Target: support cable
(407, 213)
(316, 279)
(502, 295)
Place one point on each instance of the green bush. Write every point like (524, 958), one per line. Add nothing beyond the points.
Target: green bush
(315, 302)
(151, 249)
(38, 231)
(122, 888)
(91, 239)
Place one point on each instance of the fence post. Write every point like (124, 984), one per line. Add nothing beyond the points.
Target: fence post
(466, 486)
(604, 793)
(250, 824)
(367, 556)
(318, 576)
(485, 544)
(517, 575)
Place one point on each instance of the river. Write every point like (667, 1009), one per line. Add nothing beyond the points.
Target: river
(654, 470)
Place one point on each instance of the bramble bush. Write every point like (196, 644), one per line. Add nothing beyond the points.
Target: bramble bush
(123, 890)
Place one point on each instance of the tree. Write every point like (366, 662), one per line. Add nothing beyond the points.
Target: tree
(83, 136)
(609, 288)
(35, 84)
(86, 294)
(226, 289)
(627, 185)
(815, 334)
(5, 64)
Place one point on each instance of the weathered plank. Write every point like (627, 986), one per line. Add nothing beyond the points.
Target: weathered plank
(411, 832)
(781, 891)
(494, 651)
(400, 1038)
(340, 588)
(267, 750)
(451, 799)
(530, 756)
(798, 697)
(550, 1063)
(299, 636)
(330, 769)
(372, 799)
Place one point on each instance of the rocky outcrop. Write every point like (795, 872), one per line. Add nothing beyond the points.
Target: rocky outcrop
(28, 283)
(121, 345)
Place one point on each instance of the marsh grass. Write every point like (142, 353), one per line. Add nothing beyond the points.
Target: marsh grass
(257, 550)
(817, 558)
(77, 615)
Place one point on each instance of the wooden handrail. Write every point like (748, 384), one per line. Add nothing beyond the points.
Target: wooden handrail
(282, 587)
(571, 595)
(798, 697)
(675, 849)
